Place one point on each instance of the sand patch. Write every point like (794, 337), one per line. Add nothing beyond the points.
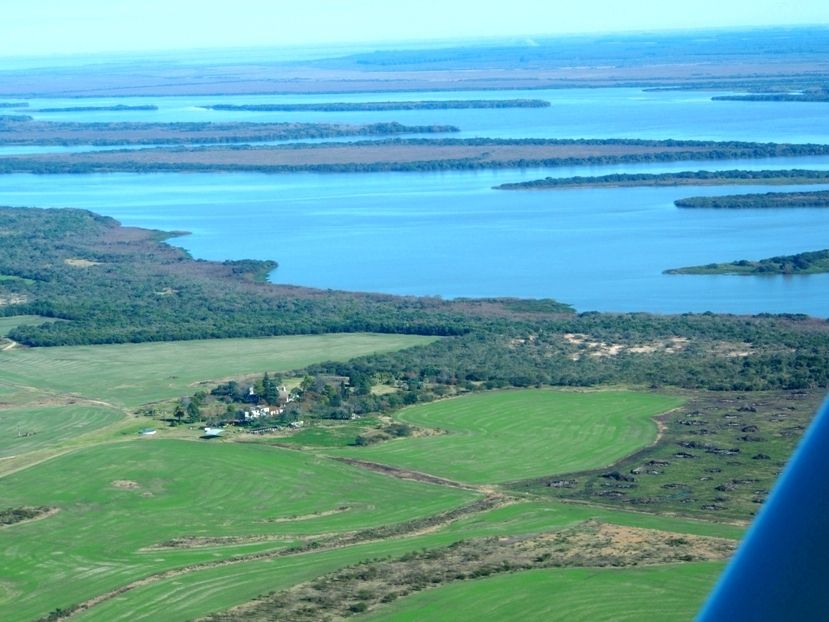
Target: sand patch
(81, 263)
(125, 484)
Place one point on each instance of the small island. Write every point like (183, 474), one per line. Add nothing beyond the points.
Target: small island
(811, 95)
(767, 200)
(682, 178)
(814, 262)
(449, 104)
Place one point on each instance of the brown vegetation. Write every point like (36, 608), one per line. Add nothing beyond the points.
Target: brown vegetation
(371, 584)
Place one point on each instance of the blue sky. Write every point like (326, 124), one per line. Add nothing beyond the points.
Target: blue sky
(35, 27)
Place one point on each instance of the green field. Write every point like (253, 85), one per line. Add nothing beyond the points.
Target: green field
(33, 428)
(120, 496)
(201, 592)
(117, 499)
(510, 435)
(659, 593)
(133, 374)
(331, 434)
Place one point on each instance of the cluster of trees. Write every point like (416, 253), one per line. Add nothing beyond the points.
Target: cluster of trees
(134, 288)
(784, 353)
(812, 95)
(818, 198)
(811, 262)
(682, 178)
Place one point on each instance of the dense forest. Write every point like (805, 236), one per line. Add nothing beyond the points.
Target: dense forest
(682, 178)
(812, 262)
(818, 198)
(118, 284)
(448, 104)
(125, 285)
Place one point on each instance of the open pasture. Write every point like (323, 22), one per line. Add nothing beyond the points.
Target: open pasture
(118, 501)
(31, 428)
(133, 374)
(662, 593)
(510, 435)
(204, 591)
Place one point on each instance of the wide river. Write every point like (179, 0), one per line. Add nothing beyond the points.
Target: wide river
(450, 234)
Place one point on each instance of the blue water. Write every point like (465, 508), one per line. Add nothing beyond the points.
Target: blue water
(573, 113)
(450, 234)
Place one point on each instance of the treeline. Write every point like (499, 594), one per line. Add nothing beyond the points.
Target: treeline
(131, 287)
(449, 104)
(818, 198)
(115, 108)
(23, 130)
(683, 178)
(67, 164)
(808, 96)
(784, 353)
(812, 262)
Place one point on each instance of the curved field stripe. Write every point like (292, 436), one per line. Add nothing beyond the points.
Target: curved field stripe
(28, 429)
(510, 435)
(116, 500)
(205, 591)
(663, 593)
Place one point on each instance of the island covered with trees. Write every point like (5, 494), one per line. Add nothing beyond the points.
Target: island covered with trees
(813, 262)
(682, 178)
(380, 106)
(811, 94)
(411, 154)
(767, 200)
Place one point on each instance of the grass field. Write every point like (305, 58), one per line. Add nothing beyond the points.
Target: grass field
(510, 435)
(133, 374)
(115, 500)
(662, 593)
(331, 434)
(29, 429)
(198, 593)
(119, 496)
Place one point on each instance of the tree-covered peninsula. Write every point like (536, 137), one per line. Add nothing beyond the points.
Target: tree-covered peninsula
(682, 178)
(767, 200)
(812, 262)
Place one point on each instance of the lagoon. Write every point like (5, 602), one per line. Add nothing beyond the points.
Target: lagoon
(450, 234)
